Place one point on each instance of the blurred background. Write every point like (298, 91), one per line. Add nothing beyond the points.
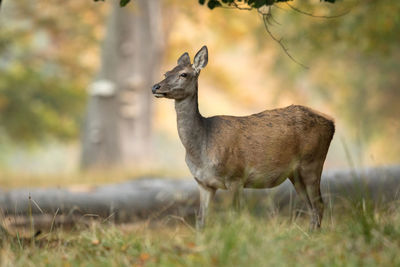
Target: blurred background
(75, 79)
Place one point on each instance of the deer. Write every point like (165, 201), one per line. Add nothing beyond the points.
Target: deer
(261, 150)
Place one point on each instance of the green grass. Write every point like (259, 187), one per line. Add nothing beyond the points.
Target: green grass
(353, 234)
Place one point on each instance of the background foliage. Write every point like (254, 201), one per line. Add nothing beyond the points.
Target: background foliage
(49, 55)
(42, 86)
(354, 65)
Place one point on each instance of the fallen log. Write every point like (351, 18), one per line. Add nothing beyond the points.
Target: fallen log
(155, 198)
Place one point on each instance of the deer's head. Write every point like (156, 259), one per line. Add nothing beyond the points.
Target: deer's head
(181, 81)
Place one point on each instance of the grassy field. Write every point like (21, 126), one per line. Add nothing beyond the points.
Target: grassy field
(353, 234)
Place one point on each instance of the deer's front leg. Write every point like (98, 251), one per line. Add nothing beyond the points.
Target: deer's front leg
(206, 195)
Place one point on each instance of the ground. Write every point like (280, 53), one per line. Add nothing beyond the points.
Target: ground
(354, 233)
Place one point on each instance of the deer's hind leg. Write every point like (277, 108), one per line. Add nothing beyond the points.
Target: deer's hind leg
(310, 176)
(300, 188)
(317, 205)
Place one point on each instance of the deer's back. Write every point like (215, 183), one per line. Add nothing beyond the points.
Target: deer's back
(266, 144)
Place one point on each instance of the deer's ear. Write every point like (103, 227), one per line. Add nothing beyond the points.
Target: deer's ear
(200, 59)
(184, 59)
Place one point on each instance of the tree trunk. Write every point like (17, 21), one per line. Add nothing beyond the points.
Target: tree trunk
(154, 198)
(117, 128)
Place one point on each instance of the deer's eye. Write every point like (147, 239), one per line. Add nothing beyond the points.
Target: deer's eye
(183, 75)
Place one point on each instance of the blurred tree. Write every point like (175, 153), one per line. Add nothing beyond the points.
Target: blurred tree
(42, 75)
(118, 121)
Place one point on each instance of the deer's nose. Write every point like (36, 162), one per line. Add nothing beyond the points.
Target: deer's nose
(155, 88)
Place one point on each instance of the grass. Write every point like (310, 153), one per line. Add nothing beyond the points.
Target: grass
(356, 233)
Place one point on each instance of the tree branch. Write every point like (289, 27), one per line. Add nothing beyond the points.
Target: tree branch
(266, 17)
(240, 7)
(317, 16)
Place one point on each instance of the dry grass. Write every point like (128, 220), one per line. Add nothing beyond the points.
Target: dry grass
(357, 233)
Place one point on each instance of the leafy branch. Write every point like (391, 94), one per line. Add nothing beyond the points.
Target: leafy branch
(245, 4)
(263, 7)
(239, 4)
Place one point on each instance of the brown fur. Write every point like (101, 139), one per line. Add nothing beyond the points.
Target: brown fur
(257, 151)
(269, 143)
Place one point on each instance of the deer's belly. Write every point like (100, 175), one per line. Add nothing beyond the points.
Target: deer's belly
(266, 181)
(219, 176)
(221, 180)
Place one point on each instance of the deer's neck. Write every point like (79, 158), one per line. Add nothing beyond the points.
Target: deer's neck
(190, 126)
